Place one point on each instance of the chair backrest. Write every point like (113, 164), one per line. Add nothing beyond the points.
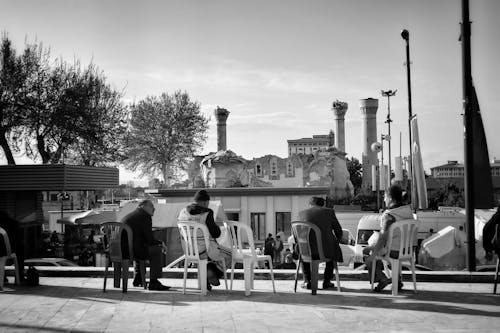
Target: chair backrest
(301, 231)
(3, 234)
(115, 233)
(407, 229)
(194, 236)
(239, 231)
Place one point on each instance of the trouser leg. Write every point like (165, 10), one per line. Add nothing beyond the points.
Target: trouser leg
(155, 262)
(306, 269)
(328, 275)
(379, 267)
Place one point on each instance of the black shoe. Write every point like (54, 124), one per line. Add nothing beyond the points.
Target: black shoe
(212, 278)
(306, 285)
(156, 285)
(381, 285)
(328, 285)
(400, 286)
(137, 281)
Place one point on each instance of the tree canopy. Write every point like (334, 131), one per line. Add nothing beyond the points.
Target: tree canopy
(52, 109)
(356, 173)
(165, 131)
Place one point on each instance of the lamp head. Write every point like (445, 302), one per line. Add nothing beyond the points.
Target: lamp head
(405, 34)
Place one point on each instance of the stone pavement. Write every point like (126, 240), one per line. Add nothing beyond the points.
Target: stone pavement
(63, 304)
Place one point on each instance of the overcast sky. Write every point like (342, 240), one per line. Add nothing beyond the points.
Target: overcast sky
(278, 65)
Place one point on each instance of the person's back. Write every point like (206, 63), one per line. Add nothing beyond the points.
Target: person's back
(331, 231)
(491, 235)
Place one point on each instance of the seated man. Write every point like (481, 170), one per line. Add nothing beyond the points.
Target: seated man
(144, 245)
(491, 235)
(199, 212)
(325, 219)
(395, 211)
(15, 234)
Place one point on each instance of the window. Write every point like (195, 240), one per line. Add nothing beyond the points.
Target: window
(233, 216)
(289, 169)
(258, 169)
(284, 222)
(53, 197)
(258, 225)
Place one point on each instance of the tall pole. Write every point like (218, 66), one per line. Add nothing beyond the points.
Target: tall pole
(389, 94)
(406, 36)
(468, 135)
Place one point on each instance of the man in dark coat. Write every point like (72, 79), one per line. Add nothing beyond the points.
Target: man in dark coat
(491, 235)
(144, 245)
(15, 234)
(325, 219)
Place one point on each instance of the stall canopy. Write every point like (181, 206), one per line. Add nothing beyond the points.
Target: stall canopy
(166, 213)
(89, 217)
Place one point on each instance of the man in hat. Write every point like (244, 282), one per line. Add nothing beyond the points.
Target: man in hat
(144, 245)
(199, 212)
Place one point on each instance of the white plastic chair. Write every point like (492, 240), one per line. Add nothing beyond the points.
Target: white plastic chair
(8, 255)
(247, 256)
(302, 231)
(189, 232)
(407, 230)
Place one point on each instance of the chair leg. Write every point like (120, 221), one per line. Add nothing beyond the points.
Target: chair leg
(117, 274)
(225, 273)
(413, 275)
(185, 276)
(247, 276)
(314, 276)
(297, 275)
(252, 274)
(395, 276)
(3, 260)
(16, 268)
(337, 275)
(372, 278)
(125, 267)
(496, 276)
(202, 276)
(272, 278)
(105, 274)
(232, 273)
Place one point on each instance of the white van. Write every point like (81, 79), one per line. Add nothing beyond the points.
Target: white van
(368, 224)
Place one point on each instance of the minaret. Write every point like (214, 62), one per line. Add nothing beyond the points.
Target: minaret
(221, 116)
(339, 110)
(368, 108)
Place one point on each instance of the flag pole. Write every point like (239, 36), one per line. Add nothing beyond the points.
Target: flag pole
(468, 135)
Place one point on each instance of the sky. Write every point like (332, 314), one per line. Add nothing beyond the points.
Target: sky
(278, 65)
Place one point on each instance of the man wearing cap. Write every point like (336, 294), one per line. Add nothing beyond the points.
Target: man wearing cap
(144, 245)
(331, 231)
(199, 212)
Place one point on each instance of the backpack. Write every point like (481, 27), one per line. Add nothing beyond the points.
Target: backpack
(32, 277)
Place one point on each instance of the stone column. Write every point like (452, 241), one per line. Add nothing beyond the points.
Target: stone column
(368, 108)
(221, 116)
(339, 110)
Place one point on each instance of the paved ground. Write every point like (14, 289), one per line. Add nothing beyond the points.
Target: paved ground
(78, 305)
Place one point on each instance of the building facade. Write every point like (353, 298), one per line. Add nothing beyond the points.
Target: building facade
(310, 145)
(453, 169)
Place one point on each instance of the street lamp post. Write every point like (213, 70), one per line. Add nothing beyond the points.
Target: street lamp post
(389, 94)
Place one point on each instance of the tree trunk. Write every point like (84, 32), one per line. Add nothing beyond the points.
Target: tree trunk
(166, 175)
(6, 148)
(40, 145)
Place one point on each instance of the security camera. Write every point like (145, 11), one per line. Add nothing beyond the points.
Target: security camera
(376, 147)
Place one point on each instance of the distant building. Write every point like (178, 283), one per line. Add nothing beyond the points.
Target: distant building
(310, 145)
(453, 169)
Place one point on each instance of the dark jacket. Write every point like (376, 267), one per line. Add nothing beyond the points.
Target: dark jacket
(141, 224)
(327, 222)
(213, 228)
(491, 236)
(14, 233)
